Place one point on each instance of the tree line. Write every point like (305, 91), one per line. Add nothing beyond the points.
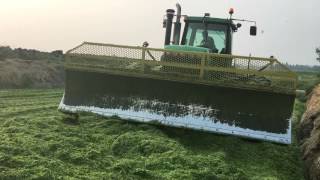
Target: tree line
(303, 68)
(6, 52)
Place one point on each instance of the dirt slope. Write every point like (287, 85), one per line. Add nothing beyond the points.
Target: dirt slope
(310, 135)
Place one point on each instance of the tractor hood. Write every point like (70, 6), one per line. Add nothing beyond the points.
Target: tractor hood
(186, 48)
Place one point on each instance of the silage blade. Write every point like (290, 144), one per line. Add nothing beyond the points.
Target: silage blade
(246, 113)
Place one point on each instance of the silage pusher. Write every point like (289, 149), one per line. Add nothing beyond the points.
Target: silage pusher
(193, 83)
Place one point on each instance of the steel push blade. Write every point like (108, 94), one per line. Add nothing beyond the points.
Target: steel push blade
(245, 113)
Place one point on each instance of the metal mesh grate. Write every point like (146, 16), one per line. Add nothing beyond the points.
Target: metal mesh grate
(213, 69)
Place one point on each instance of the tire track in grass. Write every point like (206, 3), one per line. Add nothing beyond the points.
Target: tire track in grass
(29, 100)
(35, 98)
(28, 111)
(26, 93)
(31, 96)
(16, 109)
(18, 103)
(11, 101)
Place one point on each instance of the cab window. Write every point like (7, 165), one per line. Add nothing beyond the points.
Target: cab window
(216, 34)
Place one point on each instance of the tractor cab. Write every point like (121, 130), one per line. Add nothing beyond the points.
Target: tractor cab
(201, 34)
(212, 34)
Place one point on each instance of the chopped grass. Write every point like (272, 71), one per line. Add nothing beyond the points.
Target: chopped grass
(38, 142)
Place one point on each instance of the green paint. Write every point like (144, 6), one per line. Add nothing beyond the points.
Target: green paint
(208, 20)
(185, 48)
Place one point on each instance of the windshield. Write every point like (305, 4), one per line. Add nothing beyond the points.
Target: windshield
(214, 38)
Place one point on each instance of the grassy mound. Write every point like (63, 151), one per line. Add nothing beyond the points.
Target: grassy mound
(18, 73)
(38, 142)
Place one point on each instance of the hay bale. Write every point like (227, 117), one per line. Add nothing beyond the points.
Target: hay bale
(310, 135)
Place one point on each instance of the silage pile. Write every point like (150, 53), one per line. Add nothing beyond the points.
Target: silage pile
(310, 135)
(18, 73)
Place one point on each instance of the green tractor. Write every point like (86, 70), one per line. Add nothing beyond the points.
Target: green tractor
(202, 34)
(194, 82)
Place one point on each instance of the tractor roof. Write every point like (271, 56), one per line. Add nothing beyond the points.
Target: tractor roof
(208, 19)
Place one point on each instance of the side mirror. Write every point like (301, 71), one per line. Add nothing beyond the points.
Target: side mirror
(239, 25)
(253, 30)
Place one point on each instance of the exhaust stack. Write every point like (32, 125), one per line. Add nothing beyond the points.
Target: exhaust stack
(177, 26)
(169, 20)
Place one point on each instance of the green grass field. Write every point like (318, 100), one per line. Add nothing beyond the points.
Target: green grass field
(37, 142)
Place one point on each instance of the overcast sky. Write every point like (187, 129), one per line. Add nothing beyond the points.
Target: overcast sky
(287, 29)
